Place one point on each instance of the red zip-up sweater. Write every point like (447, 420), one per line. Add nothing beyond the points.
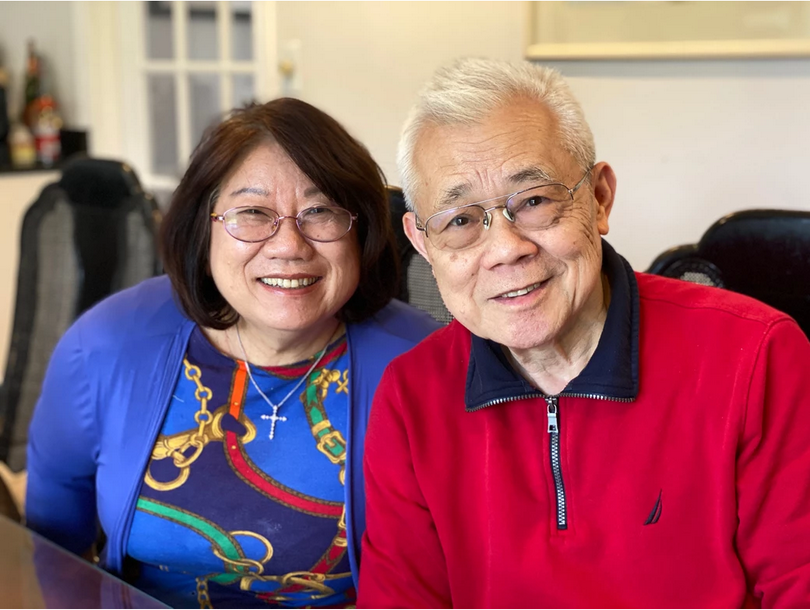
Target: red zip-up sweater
(683, 481)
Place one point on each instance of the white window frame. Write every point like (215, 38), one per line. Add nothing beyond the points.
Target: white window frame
(116, 69)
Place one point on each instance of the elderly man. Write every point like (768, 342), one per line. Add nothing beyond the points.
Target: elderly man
(580, 435)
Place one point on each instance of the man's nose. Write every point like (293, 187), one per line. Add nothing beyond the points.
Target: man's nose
(490, 212)
(506, 242)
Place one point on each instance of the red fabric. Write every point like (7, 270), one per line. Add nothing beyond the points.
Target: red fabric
(461, 506)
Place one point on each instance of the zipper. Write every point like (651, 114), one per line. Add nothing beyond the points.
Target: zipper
(553, 415)
(552, 408)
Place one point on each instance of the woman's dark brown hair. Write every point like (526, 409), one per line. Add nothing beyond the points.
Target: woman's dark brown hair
(322, 149)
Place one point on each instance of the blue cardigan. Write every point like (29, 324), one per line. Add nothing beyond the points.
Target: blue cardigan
(107, 390)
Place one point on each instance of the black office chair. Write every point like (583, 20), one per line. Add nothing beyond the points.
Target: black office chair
(85, 237)
(418, 284)
(764, 254)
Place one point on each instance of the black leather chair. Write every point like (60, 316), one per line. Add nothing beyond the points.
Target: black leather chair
(764, 254)
(418, 284)
(85, 237)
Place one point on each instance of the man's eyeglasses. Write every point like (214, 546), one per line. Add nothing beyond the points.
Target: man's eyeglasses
(534, 208)
(323, 223)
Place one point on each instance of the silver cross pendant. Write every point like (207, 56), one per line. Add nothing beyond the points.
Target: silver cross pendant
(273, 419)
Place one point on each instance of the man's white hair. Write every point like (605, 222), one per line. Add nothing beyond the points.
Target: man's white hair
(465, 91)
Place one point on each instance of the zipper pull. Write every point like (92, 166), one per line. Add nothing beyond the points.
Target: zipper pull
(551, 411)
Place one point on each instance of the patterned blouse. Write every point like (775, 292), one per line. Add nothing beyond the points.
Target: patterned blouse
(228, 517)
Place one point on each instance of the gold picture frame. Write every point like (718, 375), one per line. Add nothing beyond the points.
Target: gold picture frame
(586, 30)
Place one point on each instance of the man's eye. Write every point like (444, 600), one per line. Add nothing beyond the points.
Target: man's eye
(535, 201)
(460, 221)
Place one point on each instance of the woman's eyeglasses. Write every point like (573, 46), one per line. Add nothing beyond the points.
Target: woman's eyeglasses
(322, 223)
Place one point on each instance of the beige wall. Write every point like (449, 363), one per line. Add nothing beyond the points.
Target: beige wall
(17, 192)
(690, 141)
(363, 62)
(50, 24)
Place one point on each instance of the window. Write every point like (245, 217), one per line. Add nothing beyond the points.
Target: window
(185, 65)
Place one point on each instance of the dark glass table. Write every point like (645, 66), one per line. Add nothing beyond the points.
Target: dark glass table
(35, 573)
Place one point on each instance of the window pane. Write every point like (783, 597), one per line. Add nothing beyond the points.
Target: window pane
(204, 97)
(242, 32)
(159, 34)
(242, 90)
(203, 42)
(163, 123)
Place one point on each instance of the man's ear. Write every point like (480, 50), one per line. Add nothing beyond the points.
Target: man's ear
(603, 182)
(416, 236)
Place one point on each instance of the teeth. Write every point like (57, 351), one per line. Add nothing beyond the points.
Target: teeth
(522, 291)
(287, 283)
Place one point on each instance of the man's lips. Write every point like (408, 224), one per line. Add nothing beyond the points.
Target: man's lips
(519, 292)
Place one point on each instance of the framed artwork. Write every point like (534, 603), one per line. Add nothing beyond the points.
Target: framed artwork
(667, 30)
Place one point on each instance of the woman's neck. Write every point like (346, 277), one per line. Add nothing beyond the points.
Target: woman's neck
(272, 347)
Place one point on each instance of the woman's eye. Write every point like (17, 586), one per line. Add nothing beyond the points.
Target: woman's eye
(318, 211)
(252, 212)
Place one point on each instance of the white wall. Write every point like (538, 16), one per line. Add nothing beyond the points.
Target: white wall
(50, 24)
(690, 141)
(694, 141)
(363, 62)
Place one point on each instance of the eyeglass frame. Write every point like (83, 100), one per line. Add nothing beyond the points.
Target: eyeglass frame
(487, 222)
(277, 224)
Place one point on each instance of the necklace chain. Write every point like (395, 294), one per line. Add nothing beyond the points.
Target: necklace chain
(275, 416)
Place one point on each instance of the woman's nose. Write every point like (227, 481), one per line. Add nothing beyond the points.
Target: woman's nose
(286, 239)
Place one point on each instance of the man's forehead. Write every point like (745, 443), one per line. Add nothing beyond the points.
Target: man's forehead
(460, 189)
(507, 149)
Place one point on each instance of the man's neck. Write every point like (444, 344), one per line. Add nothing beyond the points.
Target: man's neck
(551, 367)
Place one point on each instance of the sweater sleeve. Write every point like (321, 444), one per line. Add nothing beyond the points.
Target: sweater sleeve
(403, 562)
(62, 449)
(773, 472)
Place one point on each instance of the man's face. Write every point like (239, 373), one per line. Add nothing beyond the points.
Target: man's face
(560, 265)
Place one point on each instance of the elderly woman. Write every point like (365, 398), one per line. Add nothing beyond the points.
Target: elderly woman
(212, 421)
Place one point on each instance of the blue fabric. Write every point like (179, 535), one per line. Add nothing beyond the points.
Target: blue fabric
(106, 393)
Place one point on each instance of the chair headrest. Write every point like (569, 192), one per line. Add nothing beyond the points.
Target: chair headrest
(99, 182)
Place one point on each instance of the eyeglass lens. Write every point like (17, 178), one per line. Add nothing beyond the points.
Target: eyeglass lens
(321, 223)
(533, 209)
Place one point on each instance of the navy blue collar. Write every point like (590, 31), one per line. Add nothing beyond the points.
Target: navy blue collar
(611, 373)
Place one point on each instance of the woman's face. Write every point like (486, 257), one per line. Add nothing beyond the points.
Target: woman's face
(250, 276)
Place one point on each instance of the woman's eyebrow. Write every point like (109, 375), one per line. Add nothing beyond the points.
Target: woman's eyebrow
(250, 190)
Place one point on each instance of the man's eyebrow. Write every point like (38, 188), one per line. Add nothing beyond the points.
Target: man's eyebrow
(530, 174)
(451, 195)
(250, 190)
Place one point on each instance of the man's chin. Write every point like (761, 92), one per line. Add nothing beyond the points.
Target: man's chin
(518, 338)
